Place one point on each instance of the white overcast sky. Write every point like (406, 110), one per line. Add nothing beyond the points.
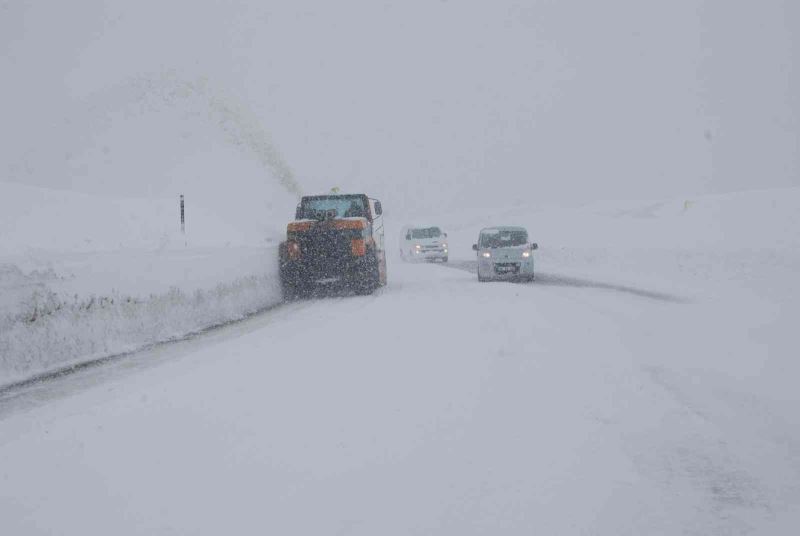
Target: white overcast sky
(478, 101)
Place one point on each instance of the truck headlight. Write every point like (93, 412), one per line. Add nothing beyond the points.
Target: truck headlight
(293, 249)
(486, 254)
(526, 254)
(358, 247)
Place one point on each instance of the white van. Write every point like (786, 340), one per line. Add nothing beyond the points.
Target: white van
(423, 243)
(504, 253)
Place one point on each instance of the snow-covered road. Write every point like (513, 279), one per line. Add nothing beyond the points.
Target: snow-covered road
(440, 405)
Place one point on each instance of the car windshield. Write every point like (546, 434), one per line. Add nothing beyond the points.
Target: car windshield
(498, 238)
(428, 232)
(334, 206)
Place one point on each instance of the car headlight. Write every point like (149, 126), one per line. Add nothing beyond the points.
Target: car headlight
(486, 254)
(444, 246)
(418, 246)
(526, 254)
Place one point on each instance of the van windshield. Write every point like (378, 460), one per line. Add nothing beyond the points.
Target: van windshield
(428, 232)
(497, 238)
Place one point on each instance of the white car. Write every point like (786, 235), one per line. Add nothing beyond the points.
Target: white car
(504, 253)
(423, 243)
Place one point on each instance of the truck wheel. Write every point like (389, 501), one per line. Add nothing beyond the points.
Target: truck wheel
(292, 288)
(365, 289)
(383, 277)
(370, 279)
(290, 291)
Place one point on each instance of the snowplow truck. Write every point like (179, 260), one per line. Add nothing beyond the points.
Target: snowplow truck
(334, 241)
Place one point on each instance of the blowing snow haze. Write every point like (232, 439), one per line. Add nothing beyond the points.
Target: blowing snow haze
(556, 292)
(455, 103)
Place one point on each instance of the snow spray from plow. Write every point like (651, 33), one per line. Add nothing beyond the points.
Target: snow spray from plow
(233, 119)
(189, 99)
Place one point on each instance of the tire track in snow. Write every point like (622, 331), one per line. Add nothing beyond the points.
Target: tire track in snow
(711, 463)
(556, 280)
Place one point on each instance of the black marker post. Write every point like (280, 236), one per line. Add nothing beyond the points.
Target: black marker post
(183, 221)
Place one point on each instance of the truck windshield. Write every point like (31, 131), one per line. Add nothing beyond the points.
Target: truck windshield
(430, 232)
(497, 238)
(334, 206)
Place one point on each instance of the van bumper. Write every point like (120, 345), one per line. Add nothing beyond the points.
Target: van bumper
(509, 270)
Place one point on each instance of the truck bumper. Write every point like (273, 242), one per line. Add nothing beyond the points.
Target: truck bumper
(345, 272)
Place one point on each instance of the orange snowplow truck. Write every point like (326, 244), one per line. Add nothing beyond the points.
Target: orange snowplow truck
(335, 241)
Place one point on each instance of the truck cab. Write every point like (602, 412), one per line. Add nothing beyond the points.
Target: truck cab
(335, 240)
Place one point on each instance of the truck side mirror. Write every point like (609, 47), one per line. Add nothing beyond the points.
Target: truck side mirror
(298, 213)
(534, 246)
(475, 247)
(445, 235)
(378, 208)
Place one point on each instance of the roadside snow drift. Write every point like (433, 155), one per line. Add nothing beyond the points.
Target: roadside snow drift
(84, 277)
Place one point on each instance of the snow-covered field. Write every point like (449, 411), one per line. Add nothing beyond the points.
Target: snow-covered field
(646, 384)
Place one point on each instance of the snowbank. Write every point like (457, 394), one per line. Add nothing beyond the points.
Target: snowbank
(50, 332)
(84, 276)
(88, 306)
